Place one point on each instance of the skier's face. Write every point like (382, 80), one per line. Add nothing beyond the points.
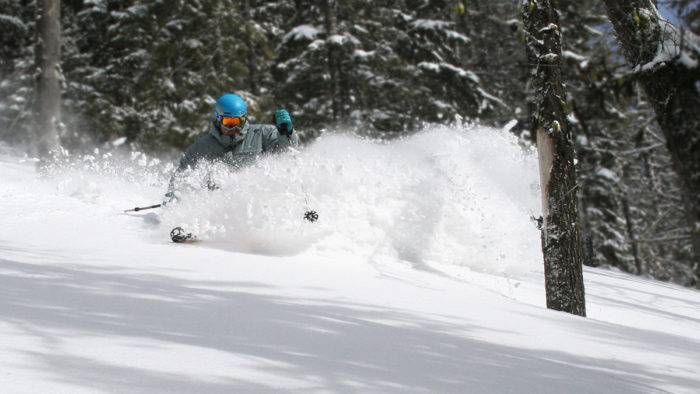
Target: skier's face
(233, 132)
(232, 126)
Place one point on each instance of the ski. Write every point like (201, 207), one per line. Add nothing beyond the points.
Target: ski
(179, 236)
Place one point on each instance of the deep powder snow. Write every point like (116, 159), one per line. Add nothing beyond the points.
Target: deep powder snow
(423, 274)
(450, 195)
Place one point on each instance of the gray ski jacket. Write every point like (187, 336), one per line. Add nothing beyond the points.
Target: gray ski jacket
(257, 140)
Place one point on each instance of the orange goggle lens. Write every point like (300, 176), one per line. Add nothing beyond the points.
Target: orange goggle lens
(233, 122)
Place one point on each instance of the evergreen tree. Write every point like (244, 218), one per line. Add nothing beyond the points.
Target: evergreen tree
(378, 67)
(148, 71)
(495, 54)
(17, 21)
(595, 88)
(656, 212)
(311, 72)
(616, 166)
(432, 48)
(666, 60)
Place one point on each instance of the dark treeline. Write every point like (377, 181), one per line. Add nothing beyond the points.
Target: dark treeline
(149, 71)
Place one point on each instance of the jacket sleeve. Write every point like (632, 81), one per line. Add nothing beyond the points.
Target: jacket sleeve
(273, 141)
(206, 147)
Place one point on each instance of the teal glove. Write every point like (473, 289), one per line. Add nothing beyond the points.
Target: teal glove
(283, 122)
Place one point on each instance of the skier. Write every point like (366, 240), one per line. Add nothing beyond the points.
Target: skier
(233, 140)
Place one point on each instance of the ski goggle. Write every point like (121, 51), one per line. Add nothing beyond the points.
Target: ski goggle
(230, 122)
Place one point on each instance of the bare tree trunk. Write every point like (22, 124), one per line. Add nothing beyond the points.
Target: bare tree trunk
(666, 62)
(561, 235)
(632, 235)
(47, 108)
(252, 62)
(333, 67)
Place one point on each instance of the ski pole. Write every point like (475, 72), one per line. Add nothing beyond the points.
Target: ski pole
(310, 215)
(143, 208)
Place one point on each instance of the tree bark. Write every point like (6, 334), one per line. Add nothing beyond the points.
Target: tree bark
(561, 235)
(332, 57)
(47, 104)
(632, 235)
(252, 57)
(666, 64)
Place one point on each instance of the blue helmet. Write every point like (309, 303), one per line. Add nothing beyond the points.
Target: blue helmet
(230, 105)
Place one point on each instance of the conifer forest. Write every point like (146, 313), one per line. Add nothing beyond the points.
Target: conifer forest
(610, 89)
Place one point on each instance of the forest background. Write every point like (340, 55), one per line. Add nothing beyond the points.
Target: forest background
(145, 73)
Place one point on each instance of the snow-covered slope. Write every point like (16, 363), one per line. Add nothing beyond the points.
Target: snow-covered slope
(422, 275)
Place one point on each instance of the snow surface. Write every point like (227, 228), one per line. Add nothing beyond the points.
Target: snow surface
(423, 274)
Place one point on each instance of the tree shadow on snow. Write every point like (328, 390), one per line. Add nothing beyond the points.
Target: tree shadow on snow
(334, 346)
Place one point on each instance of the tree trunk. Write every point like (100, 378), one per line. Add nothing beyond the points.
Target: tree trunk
(561, 235)
(48, 91)
(252, 57)
(330, 22)
(666, 63)
(632, 236)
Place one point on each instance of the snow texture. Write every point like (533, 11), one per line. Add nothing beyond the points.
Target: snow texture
(119, 141)
(430, 24)
(675, 45)
(302, 32)
(423, 274)
(439, 26)
(12, 21)
(608, 174)
(438, 67)
(574, 56)
(361, 54)
(582, 60)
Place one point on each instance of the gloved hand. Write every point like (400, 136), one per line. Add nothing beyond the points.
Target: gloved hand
(170, 197)
(283, 121)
